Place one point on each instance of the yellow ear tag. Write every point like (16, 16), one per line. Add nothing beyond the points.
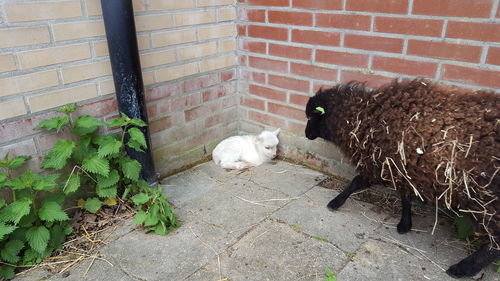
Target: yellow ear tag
(321, 110)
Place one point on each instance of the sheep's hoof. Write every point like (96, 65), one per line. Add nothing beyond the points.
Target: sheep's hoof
(460, 271)
(403, 227)
(336, 203)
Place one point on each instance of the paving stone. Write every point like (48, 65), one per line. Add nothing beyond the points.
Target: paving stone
(346, 227)
(275, 251)
(382, 261)
(235, 208)
(99, 270)
(172, 257)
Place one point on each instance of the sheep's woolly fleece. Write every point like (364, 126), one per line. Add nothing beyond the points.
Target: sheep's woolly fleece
(440, 143)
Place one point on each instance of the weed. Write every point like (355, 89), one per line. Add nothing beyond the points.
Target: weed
(330, 276)
(321, 238)
(32, 222)
(350, 256)
(100, 161)
(30, 228)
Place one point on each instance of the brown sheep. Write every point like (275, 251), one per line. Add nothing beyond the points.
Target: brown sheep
(435, 143)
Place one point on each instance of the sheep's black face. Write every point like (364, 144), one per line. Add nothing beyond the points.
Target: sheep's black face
(315, 115)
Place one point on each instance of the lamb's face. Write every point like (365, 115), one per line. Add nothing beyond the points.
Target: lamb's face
(315, 117)
(267, 143)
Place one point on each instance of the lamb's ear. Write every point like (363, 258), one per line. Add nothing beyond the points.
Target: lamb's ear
(276, 133)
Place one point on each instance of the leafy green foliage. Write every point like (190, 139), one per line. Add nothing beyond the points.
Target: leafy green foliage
(30, 231)
(67, 109)
(96, 165)
(92, 205)
(13, 163)
(6, 229)
(38, 238)
(27, 234)
(108, 147)
(46, 182)
(154, 212)
(15, 211)
(140, 198)
(7, 272)
(464, 227)
(10, 251)
(85, 125)
(131, 169)
(107, 191)
(72, 183)
(330, 276)
(59, 155)
(140, 217)
(55, 123)
(51, 211)
(136, 122)
(112, 179)
(116, 122)
(137, 140)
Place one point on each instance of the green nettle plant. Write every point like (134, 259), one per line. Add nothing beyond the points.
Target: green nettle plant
(30, 228)
(33, 223)
(100, 162)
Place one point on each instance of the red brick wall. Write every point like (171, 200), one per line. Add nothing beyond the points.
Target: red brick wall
(289, 48)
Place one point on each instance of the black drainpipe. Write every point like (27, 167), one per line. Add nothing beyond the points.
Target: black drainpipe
(124, 54)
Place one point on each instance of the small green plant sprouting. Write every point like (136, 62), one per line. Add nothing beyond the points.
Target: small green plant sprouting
(101, 163)
(350, 256)
(330, 276)
(321, 238)
(30, 228)
(497, 263)
(297, 228)
(464, 227)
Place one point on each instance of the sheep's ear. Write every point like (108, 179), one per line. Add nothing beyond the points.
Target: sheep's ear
(319, 110)
(277, 131)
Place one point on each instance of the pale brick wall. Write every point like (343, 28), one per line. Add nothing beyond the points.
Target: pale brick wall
(55, 52)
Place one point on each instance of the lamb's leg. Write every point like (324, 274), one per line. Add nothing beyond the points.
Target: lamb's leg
(358, 183)
(472, 264)
(404, 224)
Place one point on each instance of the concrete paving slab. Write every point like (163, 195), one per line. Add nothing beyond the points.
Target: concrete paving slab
(346, 228)
(173, 257)
(99, 270)
(235, 210)
(275, 251)
(288, 178)
(179, 187)
(382, 261)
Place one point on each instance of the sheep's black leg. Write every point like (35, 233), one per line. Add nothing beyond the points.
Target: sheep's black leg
(472, 264)
(358, 183)
(404, 224)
